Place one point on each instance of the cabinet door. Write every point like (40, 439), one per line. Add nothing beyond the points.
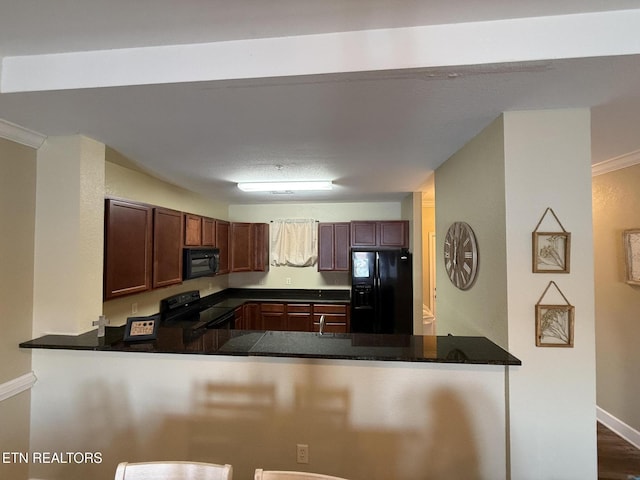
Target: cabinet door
(208, 232)
(334, 242)
(363, 234)
(251, 314)
(273, 316)
(128, 233)
(222, 242)
(238, 317)
(167, 247)
(393, 234)
(299, 317)
(241, 247)
(260, 241)
(192, 230)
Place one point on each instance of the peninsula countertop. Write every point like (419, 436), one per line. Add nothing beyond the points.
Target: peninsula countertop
(349, 346)
(178, 339)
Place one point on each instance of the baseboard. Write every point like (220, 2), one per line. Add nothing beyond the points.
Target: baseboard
(17, 385)
(630, 434)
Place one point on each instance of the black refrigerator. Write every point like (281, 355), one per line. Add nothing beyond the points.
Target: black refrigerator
(381, 291)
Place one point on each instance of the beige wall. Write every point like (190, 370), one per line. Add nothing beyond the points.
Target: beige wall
(470, 188)
(123, 182)
(428, 228)
(17, 217)
(616, 203)
(307, 277)
(69, 235)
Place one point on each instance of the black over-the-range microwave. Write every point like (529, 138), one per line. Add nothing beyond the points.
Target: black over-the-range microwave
(200, 262)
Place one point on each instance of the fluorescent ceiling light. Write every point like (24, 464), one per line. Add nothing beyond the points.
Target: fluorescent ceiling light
(284, 186)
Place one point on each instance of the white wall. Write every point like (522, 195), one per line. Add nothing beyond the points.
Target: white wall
(552, 396)
(362, 420)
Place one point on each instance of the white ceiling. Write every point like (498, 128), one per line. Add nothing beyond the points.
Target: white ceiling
(377, 134)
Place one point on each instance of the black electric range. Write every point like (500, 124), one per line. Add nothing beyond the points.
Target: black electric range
(185, 310)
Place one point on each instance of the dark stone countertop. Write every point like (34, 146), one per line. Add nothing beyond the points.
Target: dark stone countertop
(350, 346)
(234, 297)
(179, 338)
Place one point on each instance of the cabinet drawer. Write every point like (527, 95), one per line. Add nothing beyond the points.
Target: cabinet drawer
(299, 308)
(330, 308)
(331, 327)
(272, 307)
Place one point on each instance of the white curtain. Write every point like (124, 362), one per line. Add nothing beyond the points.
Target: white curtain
(294, 242)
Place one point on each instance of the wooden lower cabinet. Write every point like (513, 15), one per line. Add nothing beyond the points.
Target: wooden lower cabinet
(336, 318)
(299, 317)
(293, 317)
(273, 316)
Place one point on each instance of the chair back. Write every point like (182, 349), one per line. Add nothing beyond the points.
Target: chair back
(173, 471)
(291, 475)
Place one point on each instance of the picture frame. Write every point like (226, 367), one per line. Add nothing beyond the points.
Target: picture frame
(551, 252)
(138, 329)
(631, 241)
(554, 325)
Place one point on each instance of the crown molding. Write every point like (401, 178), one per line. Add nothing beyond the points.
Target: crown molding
(21, 135)
(616, 163)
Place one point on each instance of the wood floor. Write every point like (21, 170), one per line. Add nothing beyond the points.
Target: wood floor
(617, 458)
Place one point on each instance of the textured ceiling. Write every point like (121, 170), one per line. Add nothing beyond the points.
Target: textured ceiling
(377, 135)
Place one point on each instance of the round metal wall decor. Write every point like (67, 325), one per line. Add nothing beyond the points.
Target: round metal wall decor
(461, 255)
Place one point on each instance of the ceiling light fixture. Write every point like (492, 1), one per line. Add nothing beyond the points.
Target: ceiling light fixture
(284, 186)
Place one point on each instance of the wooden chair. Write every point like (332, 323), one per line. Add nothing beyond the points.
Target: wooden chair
(291, 475)
(173, 471)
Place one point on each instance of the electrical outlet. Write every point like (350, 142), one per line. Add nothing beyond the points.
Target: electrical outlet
(287, 280)
(134, 308)
(302, 453)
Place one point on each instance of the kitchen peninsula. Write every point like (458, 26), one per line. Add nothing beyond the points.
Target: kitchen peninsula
(193, 336)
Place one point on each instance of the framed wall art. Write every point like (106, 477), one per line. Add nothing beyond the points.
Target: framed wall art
(554, 323)
(631, 239)
(551, 250)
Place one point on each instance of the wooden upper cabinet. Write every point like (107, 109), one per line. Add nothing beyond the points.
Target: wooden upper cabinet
(333, 246)
(393, 233)
(260, 254)
(208, 232)
(363, 234)
(167, 247)
(192, 230)
(380, 234)
(249, 247)
(222, 242)
(241, 247)
(128, 248)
